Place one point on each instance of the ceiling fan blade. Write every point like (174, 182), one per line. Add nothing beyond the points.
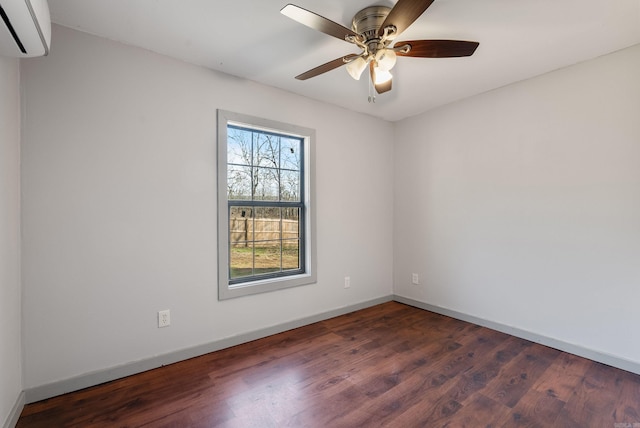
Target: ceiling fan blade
(438, 48)
(383, 87)
(404, 13)
(326, 67)
(317, 22)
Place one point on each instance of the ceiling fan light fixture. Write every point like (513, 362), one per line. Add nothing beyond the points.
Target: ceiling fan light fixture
(381, 76)
(386, 59)
(356, 67)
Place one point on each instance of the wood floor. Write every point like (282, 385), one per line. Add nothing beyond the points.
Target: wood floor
(389, 365)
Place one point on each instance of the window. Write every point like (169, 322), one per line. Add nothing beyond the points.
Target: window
(265, 210)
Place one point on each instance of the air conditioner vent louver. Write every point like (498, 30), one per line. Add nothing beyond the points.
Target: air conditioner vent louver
(12, 30)
(25, 28)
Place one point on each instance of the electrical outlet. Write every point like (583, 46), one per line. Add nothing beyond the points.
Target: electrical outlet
(415, 279)
(164, 318)
(347, 281)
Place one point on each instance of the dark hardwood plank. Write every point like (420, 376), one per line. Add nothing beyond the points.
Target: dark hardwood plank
(601, 391)
(477, 412)
(563, 376)
(389, 365)
(534, 409)
(519, 375)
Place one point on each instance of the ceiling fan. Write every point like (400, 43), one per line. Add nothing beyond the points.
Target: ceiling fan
(373, 30)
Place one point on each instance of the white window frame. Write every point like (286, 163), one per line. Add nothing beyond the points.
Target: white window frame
(309, 276)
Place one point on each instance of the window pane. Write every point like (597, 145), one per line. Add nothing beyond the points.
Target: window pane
(266, 182)
(238, 146)
(238, 182)
(291, 254)
(290, 186)
(266, 150)
(290, 153)
(240, 259)
(267, 224)
(241, 224)
(268, 257)
(290, 223)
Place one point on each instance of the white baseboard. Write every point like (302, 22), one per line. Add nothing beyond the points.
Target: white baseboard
(610, 360)
(14, 415)
(101, 376)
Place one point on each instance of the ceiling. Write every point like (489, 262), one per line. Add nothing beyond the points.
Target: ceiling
(518, 39)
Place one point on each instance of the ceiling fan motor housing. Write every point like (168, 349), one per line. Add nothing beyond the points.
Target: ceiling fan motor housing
(369, 20)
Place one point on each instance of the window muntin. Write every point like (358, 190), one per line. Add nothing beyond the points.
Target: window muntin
(263, 205)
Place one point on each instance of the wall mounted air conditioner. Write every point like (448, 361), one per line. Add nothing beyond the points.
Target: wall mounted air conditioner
(25, 28)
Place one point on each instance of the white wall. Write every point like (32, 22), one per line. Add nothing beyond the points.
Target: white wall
(119, 207)
(522, 206)
(10, 300)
